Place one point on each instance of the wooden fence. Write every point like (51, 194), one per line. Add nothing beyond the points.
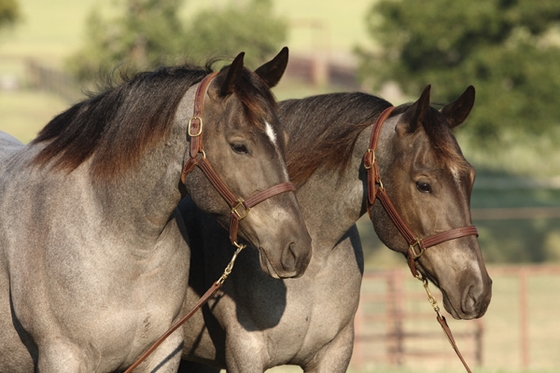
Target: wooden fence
(51, 80)
(319, 71)
(315, 70)
(396, 326)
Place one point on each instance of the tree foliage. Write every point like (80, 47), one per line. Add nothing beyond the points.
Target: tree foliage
(148, 32)
(144, 31)
(251, 28)
(9, 13)
(508, 49)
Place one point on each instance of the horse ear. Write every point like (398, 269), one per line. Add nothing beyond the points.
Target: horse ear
(413, 116)
(458, 111)
(233, 74)
(272, 71)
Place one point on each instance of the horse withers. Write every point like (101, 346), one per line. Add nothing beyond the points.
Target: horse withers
(93, 265)
(259, 322)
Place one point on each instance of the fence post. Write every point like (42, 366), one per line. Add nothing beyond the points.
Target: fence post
(395, 348)
(479, 342)
(524, 319)
(358, 351)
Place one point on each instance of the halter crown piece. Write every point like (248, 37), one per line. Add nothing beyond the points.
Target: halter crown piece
(416, 246)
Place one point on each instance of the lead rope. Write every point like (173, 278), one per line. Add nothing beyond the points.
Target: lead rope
(201, 302)
(441, 320)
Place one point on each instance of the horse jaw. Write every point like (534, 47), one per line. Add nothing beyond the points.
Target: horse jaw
(290, 265)
(465, 286)
(266, 266)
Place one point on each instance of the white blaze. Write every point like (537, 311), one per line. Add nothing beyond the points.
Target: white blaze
(270, 133)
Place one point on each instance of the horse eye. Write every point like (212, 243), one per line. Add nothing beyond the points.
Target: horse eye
(423, 187)
(239, 148)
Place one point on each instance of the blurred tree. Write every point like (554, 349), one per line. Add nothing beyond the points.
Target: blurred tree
(250, 27)
(145, 32)
(9, 13)
(150, 32)
(508, 49)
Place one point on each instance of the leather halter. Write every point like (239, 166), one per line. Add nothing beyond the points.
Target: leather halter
(416, 246)
(239, 207)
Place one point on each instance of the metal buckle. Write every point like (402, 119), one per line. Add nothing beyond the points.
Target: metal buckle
(413, 252)
(239, 204)
(372, 161)
(189, 131)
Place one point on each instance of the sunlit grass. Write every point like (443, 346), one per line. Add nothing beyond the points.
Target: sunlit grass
(24, 113)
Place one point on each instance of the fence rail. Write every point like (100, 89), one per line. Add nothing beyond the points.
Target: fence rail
(52, 80)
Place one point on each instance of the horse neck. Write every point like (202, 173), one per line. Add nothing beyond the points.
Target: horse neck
(332, 201)
(150, 193)
(143, 199)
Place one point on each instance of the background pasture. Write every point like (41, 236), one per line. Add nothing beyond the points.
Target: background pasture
(513, 213)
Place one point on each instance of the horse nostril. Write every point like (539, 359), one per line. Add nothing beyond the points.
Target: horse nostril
(470, 302)
(289, 258)
(476, 301)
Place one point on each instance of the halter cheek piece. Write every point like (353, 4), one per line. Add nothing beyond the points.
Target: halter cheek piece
(416, 246)
(239, 207)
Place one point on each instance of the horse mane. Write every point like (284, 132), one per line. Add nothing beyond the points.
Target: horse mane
(332, 123)
(120, 124)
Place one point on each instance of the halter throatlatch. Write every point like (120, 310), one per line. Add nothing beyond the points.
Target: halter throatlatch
(416, 246)
(197, 157)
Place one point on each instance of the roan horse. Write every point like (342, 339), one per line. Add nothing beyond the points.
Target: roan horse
(258, 322)
(93, 266)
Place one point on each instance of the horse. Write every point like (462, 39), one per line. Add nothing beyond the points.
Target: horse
(257, 322)
(93, 264)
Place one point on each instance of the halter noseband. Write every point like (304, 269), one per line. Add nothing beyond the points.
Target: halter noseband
(416, 246)
(239, 207)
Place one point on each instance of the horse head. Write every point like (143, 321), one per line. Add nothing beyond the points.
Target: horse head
(430, 183)
(245, 142)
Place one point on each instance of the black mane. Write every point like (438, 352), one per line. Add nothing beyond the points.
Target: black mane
(118, 124)
(331, 123)
(323, 131)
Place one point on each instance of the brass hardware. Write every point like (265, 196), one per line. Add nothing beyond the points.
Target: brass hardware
(189, 131)
(413, 252)
(229, 267)
(370, 151)
(431, 298)
(239, 204)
